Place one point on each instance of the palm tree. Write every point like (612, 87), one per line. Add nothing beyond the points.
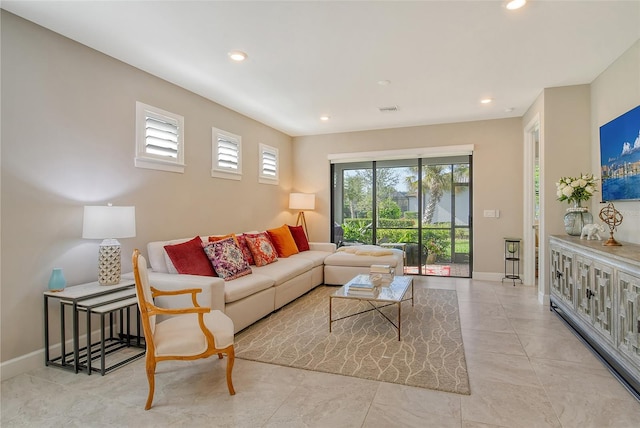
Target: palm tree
(436, 181)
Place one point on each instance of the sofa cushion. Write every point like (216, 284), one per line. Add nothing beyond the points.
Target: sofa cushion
(315, 257)
(300, 238)
(283, 241)
(189, 258)
(246, 286)
(227, 259)
(261, 248)
(285, 269)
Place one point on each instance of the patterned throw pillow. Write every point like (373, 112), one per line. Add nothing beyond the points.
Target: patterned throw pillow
(261, 248)
(227, 259)
(242, 241)
(189, 258)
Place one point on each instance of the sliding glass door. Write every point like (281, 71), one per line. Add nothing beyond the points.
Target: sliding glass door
(421, 206)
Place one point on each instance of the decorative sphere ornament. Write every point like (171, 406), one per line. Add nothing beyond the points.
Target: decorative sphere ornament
(612, 218)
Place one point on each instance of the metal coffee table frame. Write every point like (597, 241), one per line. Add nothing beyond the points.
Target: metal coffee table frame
(392, 295)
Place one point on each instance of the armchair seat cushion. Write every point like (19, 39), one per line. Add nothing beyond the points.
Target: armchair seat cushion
(181, 335)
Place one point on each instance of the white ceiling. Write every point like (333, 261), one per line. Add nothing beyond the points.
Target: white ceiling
(308, 59)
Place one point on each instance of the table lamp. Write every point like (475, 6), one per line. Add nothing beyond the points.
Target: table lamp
(109, 223)
(302, 202)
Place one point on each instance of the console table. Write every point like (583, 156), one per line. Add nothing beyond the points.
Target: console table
(94, 299)
(596, 290)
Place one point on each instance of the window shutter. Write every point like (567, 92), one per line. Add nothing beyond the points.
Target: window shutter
(226, 155)
(268, 170)
(161, 137)
(269, 163)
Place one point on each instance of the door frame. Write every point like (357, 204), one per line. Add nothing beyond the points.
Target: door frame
(529, 226)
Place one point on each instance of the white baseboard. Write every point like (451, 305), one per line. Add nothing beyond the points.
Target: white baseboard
(488, 276)
(544, 298)
(22, 364)
(35, 360)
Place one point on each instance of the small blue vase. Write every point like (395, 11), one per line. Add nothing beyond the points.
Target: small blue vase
(57, 281)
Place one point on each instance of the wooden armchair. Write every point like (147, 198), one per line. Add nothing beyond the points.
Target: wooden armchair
(190, 334)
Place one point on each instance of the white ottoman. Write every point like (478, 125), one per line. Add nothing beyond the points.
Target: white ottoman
(342, 266)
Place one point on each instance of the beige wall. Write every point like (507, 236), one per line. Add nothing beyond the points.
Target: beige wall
(68, 140)
(564, 134)
(497, 175)
(68, 117)
(613, 93)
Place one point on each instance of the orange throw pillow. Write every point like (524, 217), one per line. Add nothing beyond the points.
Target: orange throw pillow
(283, 241)
(216, 238)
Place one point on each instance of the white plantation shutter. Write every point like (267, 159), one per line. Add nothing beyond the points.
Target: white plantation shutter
(269, 171)
(159, 139)
(226, 153)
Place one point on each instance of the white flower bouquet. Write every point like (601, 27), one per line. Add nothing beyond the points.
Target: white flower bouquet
(577, 189)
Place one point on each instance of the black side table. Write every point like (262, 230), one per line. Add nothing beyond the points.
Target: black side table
(512, 260)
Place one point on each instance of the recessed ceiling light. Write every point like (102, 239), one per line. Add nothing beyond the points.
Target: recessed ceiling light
(325, 118)
(237, 55)
(509, 110)
(515, 4)
(486, 100)
(384, 82)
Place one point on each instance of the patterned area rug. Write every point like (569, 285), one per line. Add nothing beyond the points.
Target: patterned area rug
(430, 354)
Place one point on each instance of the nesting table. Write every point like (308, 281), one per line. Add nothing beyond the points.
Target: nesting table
(94, 299)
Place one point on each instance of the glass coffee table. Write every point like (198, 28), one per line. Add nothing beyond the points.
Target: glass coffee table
(379, 298)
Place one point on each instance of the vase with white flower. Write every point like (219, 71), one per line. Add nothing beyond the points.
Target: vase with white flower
(575, 190)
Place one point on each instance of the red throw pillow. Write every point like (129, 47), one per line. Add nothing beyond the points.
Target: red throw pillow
(300, 237)
(246, 252)
(190, 258)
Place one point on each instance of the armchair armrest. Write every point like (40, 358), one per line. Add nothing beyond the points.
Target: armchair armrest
(193, 291)
(212, 294)
(155, 310)
(157, 292)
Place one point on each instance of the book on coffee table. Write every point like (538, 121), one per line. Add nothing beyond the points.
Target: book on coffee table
(362, 286)
(360, 281)
(372, 292)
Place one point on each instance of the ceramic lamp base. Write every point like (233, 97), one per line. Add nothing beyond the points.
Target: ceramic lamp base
(109, 268)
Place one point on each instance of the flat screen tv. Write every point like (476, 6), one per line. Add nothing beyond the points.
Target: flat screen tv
(620, 157)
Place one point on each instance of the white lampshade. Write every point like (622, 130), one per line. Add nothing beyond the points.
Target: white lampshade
(109, 223)
(302, 201)
(103, 222)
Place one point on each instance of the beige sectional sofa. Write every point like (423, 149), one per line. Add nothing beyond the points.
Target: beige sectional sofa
(249, 298)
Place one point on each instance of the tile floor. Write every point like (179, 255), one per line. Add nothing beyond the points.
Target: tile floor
(525, 367)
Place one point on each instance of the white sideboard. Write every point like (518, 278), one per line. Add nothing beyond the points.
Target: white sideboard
(596, 290)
